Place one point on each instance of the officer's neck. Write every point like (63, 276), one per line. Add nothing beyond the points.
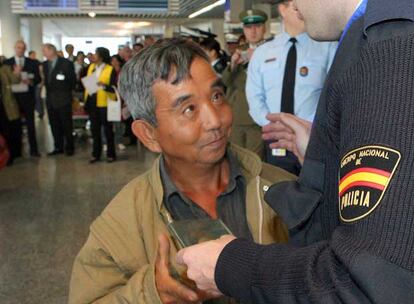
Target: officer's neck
(293, 30)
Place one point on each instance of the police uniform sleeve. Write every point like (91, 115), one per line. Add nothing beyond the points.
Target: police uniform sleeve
(255, 91)
(368, 256)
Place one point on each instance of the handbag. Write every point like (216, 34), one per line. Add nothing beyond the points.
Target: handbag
(114, 107)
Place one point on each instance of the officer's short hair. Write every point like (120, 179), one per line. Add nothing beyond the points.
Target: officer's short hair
(170, 57)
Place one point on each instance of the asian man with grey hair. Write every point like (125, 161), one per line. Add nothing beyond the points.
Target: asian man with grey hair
(350, 214)
(180, 112)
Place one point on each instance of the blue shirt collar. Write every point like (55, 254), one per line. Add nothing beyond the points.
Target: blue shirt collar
(300, 38)
(359, 12)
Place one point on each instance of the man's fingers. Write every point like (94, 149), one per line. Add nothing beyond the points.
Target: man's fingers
(180, 291)
(278, 136)
(163, 257)
(273, 117)
(276, 127)
(283, 144)
(295, 123)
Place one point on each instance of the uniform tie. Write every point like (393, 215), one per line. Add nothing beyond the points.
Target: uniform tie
(288, 90)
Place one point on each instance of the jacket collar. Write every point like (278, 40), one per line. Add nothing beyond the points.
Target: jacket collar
(386, 10)
(250, 165)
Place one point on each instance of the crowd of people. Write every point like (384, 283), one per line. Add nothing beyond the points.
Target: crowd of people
(282, 140)
(254, 88)
(54, 86)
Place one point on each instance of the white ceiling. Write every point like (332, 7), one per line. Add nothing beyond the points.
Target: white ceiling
(101, 27)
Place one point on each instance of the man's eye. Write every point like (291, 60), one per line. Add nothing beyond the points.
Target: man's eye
(189, 110)
(218, 97)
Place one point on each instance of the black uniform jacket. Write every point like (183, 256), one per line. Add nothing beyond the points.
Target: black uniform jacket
(351, 214)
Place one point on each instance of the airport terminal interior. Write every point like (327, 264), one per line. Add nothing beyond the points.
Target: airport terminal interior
(205, 105)
(47, 203)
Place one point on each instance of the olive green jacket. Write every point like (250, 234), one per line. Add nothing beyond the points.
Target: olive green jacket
(116, 265)
(235, 81)
(7, 78)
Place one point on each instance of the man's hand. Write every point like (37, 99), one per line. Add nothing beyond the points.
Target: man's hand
(170, 290)
(27, 81)
(236, 59)
(17, 69)
(201, 262)
(289, 132)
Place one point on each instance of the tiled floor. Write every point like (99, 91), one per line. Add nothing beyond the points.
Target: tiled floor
(46, 207)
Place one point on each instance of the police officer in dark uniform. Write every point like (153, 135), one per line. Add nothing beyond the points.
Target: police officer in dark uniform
(350, 214)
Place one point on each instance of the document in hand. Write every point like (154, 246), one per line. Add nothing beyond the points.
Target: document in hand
(20, 88)
(91, 83)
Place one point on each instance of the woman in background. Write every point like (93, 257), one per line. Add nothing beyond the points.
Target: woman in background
(97, 105)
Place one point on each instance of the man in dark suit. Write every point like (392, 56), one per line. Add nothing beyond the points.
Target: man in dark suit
(60, 82)
(26, 97)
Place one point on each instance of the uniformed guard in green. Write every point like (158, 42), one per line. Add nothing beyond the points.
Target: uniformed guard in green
(245, 131)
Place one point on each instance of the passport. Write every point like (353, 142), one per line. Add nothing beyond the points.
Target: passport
(191, 232)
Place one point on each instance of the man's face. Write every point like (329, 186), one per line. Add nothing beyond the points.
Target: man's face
(149, 41)
(290, 16)
(194, 119)
(69, 49)
(19, 49)
(48, 53)
(127, 52)
(254, 32)
(137, 49)
(32, 55)
(91, 57)
(321, 18)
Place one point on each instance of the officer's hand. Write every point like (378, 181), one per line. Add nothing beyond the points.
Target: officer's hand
(170, 290)
(289, 132)
(201, 261)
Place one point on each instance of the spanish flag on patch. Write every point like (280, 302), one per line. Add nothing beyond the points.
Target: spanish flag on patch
(365, 174)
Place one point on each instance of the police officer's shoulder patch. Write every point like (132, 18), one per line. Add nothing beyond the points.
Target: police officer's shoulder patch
(364, 176)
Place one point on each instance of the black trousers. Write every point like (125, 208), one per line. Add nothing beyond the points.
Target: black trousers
(26, 104)
(98, 117)
(289, 162)
(60, 120)
(12, 132)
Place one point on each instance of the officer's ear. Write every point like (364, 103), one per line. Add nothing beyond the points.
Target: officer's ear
(145, 132)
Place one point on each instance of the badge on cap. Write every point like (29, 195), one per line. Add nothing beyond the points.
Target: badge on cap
(304, 71)
(364, 176)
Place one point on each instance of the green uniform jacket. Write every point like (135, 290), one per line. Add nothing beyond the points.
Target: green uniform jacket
(7, 78)
(235, 81)
(116, 265)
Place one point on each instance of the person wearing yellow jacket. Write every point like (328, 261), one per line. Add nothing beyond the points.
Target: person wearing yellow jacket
(97, 103)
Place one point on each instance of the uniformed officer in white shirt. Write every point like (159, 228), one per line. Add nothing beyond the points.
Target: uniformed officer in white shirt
(287, 74)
